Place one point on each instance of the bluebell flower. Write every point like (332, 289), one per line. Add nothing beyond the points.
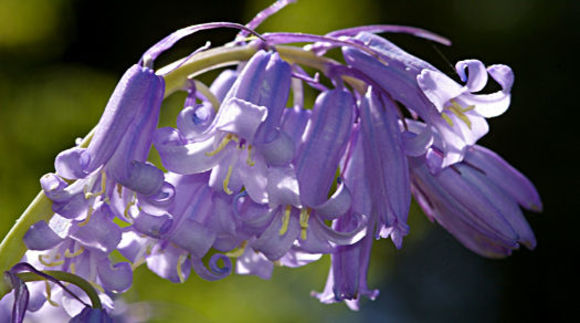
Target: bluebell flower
(253, 181)
(478, 201)
(92, 315)
(243, 137)
(450, 109)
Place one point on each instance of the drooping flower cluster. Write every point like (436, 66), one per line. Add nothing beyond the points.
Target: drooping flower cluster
(258, 175)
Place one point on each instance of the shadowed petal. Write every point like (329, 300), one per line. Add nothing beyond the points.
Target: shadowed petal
(324, 142)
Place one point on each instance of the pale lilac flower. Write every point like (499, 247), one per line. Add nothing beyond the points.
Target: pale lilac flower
(450, 109)
(83, 250)
(244, 136)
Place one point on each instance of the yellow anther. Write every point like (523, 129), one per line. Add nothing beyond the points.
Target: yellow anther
(227, 180)
(126, 212)
(285, 220)
(180, 262)
(49, 294)
(304, 217)
(72, 268)
(103, 183)
(459, 111)
(460, 108)
(446, 118)
(461, 116)
(239, 251)
(88, 218)
(55, 263)
(229, 137)
(68, 254)
(249, 160)
(89, 195)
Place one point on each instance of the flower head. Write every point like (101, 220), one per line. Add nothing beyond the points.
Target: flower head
(250, 178)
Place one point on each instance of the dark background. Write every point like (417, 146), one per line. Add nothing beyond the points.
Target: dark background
(60, 59)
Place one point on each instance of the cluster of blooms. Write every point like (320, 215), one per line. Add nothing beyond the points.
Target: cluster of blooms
(252, 180)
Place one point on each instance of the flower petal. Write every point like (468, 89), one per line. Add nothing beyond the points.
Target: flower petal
(139, 90)
(241, 117)
(494, 104)
(476, 76)
(279, 151)
(509, 179)
(153, 225)
(193, 237)
(355, 177)
(337, 205)
(294, 123)
(116, 278)
(215, 272)
(385, 163)
(100, 233)
(273, 244)
(438, 87)
(89, 314)
(325, 141)
(254, 263)
(184, 157)
(340, 238)
(416, 144)
(283, 187)
(254, 217)
(133, 246)
(507, 206)
(296, 258)
(165, 261)
(255, 179)
(41, 237)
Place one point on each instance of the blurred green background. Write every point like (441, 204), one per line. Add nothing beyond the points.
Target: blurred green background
(60, 60)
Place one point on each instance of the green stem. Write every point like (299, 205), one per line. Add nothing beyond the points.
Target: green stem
(12, 248)
(203, 62)
(63, 276)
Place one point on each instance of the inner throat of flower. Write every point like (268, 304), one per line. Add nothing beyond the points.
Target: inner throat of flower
(459, 111)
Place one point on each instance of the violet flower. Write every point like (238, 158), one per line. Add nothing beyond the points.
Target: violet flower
(347, 278)
(251, 180)
(385, 165)
(243, 137)
(450, 109)
(122, 140)
(173, 239)
(477, 201)
(92, 315)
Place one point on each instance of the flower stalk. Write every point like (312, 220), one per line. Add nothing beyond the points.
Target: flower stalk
(63, 276)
